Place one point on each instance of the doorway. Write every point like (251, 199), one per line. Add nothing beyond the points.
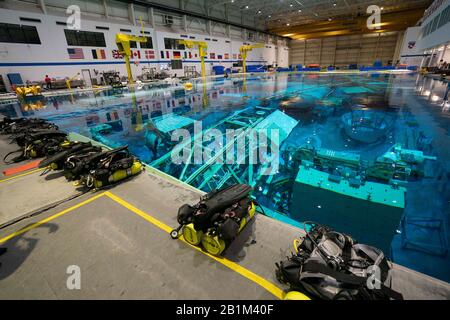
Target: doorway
(86, 74)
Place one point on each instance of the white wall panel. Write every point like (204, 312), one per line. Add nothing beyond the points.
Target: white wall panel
(51, 56)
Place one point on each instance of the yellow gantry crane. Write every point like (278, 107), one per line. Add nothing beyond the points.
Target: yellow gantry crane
(202, 51)
(244, 50)
(123, 44)
(70, 79)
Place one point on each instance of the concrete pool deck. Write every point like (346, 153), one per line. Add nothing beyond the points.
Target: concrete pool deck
(119, 238)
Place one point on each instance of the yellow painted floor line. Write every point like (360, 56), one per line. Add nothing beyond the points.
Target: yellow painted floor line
(266, 284)
(48, 219)
(22, 174)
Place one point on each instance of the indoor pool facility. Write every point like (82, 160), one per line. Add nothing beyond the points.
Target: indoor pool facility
(278, 150)
(386, 134)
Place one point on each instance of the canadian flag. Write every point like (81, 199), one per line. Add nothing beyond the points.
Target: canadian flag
(135, 54)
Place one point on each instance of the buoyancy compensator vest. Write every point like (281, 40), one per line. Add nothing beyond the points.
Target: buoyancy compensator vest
(37, 143)
(333, 266)
(116, 169)
(30, 135)
(216, 220)
(57, 160)
(98, 169)
(78, 165)
(19, 125)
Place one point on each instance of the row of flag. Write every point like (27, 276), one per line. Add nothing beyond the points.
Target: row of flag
(100, 54)
(77, 53)
(188, 55)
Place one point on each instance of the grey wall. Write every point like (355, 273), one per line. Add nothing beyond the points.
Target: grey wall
(345, 50)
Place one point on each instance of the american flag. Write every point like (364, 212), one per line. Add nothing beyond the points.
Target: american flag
(75, 53)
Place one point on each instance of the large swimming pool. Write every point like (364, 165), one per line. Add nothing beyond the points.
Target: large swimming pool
(337, 139)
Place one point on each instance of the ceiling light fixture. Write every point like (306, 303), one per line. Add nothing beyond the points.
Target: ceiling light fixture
(288, 24)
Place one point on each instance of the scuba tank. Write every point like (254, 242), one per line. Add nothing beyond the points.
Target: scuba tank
(36, 144)
(81, 164)
(333, 266)
(5, 122)
(68, 148)
(225, 230)
(217, 219)
(98, 169)
(19, 125)
(36, 134)
(112, 176)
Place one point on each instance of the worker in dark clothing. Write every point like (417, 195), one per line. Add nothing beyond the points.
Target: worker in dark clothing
(48, 82)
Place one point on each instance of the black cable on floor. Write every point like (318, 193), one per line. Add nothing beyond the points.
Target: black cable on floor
(42, 210)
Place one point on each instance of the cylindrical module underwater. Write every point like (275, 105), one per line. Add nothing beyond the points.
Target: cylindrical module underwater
(120, 174)
(211, 240)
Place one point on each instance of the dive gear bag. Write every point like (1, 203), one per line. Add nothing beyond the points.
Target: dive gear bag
(37, 143)
(217, 219)
(68, 148)
(333, 266)
(98, 169)
(80, 161)
(19, 125)
(79, 165)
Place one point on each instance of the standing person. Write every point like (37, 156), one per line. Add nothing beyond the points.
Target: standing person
(48, 82)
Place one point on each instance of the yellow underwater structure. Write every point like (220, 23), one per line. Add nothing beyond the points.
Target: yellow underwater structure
(22, 92)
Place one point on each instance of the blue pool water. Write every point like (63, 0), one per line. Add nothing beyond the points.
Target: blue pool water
(358, 114)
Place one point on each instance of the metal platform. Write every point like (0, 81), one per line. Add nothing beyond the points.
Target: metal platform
(119, 239)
